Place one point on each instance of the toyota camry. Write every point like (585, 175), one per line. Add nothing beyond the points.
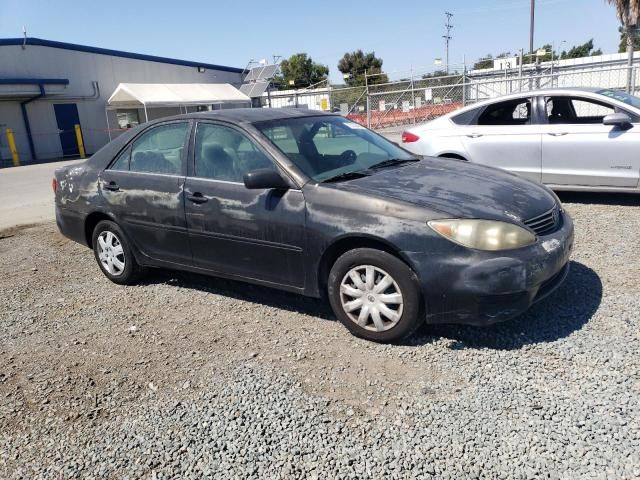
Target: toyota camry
(316, 204)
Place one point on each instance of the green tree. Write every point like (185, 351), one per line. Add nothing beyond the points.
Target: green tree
(299, 70)
(486, 62)
(578, 51)
(629, 14)
(623, 40)
(440, 78)
(548, 55)
(355, 64)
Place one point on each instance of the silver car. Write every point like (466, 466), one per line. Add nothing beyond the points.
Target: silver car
(569, 139)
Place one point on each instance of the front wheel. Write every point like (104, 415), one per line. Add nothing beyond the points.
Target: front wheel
(375, 295)
(113, 254)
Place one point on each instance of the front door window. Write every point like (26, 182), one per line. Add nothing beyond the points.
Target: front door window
(576, 111)
(223, 153)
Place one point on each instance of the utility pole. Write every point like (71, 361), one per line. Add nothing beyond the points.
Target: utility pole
(533, 16)
(447, 37)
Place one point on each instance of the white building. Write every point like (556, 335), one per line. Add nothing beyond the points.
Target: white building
(47, 87)
(602, 71)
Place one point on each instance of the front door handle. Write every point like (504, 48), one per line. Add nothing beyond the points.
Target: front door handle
(197, 197)
(558, 134)
(111, 186)
(474, 135)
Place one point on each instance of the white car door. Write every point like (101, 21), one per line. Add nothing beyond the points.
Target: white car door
(578, 149)
(505, 136)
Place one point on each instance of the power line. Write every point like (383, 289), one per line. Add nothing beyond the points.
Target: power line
(447, 38)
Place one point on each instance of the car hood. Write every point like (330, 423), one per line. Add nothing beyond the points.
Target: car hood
(458, 189)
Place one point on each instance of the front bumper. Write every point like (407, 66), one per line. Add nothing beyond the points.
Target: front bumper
(481, 288)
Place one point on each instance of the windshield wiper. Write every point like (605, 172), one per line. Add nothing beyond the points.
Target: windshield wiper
(346, 176)
(392, 162)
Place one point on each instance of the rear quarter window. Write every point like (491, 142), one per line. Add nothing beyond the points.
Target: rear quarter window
(465, 118)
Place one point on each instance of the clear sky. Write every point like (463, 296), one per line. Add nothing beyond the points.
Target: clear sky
(404, 33)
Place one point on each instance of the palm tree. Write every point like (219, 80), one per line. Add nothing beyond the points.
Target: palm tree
(629, 15)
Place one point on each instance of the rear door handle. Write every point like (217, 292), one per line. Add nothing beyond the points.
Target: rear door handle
(112, 186)
(559, 134)
(474, 135)
(197, 198)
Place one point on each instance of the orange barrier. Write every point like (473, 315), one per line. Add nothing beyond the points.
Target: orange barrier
(392, 118)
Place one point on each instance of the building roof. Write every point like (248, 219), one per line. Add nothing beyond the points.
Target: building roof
(114, 53)
(174, 94)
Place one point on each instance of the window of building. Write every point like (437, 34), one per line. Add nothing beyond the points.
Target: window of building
(128, 118)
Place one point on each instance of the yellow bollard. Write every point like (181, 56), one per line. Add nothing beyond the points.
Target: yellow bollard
(79, 141)
(12, 148)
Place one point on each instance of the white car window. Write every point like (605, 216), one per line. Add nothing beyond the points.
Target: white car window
(510, 112)
(574, 110)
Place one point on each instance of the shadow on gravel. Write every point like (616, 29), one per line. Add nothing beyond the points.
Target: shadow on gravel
(595, 198)
(556, 317)
(243, 291)
(565, 311)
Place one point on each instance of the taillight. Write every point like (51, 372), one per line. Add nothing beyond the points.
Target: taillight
(54, 184)
(408, 137)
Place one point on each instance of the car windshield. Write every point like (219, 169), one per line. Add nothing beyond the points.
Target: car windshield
(331, 147)
(621, 97)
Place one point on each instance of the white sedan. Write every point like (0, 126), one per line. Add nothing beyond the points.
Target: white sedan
(569, 139)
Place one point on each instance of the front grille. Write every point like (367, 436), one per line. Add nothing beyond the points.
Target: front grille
(546, 223)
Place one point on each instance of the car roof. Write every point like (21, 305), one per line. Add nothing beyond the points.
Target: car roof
(545, 91)
(247, 115)
(529, 93)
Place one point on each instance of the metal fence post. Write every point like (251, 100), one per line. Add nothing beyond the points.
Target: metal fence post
(520, 70)
(413, 97)
(464, 81)
(368, 111)
(11, 140)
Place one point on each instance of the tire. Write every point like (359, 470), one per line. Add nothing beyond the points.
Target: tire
(116, 260)
(397, 317)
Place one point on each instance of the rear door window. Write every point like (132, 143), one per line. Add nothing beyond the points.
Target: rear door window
(159, 150)
(122, 162)
(510, 112)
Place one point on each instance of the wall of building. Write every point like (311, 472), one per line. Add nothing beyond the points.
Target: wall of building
(81, 68)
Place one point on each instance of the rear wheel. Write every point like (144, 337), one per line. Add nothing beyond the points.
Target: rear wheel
(375, 295)
(113, 253)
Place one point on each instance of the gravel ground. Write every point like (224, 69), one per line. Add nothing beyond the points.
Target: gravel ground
(189, 377)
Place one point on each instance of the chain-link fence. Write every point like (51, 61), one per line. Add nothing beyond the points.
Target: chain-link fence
(615, 78)
(422, 98)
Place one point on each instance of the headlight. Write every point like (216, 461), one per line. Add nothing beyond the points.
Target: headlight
(483, 234)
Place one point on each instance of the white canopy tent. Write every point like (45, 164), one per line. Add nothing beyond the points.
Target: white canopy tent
(149, 95)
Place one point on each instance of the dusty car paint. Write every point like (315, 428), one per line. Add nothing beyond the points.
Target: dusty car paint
(284, 238)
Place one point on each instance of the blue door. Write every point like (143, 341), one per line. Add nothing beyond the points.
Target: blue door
(67, 117)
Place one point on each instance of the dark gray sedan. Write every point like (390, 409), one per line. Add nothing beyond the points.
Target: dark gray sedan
(318, 205)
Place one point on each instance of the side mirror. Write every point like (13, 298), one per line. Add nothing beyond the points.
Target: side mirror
(621, 120)
(264, 178)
